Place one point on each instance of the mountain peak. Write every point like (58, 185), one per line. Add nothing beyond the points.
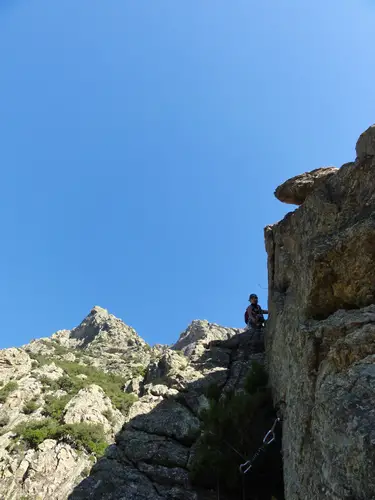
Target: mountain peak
(99, 326)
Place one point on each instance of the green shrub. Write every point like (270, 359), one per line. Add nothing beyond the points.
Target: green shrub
(213, 392)
(54, 406)
(48, 384)
(30, 407)
(256, 379)
(123, 401)
(4, 421)
(83, 436)
(90, 437)
(60, 350)
(71, 385)
(233, 429)
(139, 371)
(6, 390)
(40, 359)
(111, 383)
(35, 432)
(108, 415)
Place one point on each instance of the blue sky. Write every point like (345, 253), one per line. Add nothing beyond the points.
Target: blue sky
(142, 142)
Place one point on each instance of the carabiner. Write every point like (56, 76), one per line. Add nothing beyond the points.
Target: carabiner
(248, 466)
(269, 437)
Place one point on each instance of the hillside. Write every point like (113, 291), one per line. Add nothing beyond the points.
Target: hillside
(101, 395)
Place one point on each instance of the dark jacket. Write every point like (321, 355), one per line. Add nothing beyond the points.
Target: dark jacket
(254, 314)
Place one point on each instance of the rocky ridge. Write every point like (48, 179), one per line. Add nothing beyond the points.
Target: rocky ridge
(99, 388)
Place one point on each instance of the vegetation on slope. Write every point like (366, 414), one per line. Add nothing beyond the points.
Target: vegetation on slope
(84, 436)
(233, 430)
(6, 390)
(111, 383)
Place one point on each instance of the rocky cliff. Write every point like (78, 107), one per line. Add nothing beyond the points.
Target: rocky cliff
(321, 334)
(97, 402)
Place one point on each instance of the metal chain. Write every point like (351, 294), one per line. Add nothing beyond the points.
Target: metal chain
(267, 440)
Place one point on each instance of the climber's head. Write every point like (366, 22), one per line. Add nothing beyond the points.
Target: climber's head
(253, 298)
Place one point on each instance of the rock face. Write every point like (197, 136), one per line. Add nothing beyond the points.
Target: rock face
(152, 455)
(99, 388)
(296, 190)
(320, 343)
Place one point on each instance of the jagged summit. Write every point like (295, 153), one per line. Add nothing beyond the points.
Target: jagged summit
(101, 327)
(201, 332)
(103, 340)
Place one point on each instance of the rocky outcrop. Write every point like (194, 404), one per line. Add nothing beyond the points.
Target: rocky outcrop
(199, 334)
(153, 452)
(13, 364)
(320, 342)
(100, 388)
(296, 190)
(91, 405)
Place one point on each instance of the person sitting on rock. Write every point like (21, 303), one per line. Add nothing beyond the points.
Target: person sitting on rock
(254, 314)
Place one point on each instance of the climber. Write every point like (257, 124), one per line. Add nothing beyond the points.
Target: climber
(254, 314)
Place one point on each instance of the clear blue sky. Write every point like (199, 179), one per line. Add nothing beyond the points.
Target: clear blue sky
(141, 142)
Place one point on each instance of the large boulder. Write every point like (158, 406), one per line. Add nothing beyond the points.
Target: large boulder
(366, 143)
(296, 190)
(91, 405)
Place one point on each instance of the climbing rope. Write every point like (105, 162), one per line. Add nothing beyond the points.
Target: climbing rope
(229, 446)
(267, 440)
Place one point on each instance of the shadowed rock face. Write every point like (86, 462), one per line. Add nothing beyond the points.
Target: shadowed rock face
(296, 190)
(320, 346)
(153, 453)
